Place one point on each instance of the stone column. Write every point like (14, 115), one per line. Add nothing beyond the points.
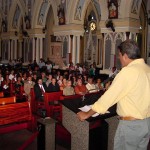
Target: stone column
(71, 48)
(37, 50)
(46, 137)
(10, 50)
(20, 49)
(41, 47)
(33, 48)
(113, 55)
(0, 47)
(78, 50)
(15, 49)
(74, 50)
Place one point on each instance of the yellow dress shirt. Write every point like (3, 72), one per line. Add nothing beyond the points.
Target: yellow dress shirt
(130, 90)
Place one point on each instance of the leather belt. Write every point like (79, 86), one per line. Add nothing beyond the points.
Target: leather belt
(128, 118)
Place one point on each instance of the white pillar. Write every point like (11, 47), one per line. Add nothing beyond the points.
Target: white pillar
(33, 49)
(15, 49)
(78, 50)
(69, 44)
(37, 50)
(20, 48)
(73, 49)
(112, 58)
(41, 47)
(9, 53)
(0, 47)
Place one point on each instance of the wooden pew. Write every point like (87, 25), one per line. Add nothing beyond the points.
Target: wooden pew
(33, 101)
(14, 116)
(52, 105)
(70, 97)
(7, 100)
(1, 94)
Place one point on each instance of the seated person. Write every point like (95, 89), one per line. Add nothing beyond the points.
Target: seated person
(27, 87)
(18, 85)
(49, 80)
(68, 90)
(53, 86)
(80, 88)
(64, 84)
(99, 85)
(39, 90)
(1, 81)
(113, 73)
(90, 86)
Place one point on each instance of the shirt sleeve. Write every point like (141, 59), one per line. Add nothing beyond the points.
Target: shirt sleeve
(115, 93)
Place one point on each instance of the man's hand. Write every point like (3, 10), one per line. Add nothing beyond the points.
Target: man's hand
(85, 115)
(82, 115)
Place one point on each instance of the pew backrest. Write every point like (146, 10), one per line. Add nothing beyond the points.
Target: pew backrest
(49, 99)
(1, 94)
(7, 100)
(15, 113)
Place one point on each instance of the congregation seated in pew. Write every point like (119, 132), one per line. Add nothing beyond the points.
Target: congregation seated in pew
(68, 90)
(80, 88)
(91, 87)
(39, 90)
(53, 86)
(28, 85)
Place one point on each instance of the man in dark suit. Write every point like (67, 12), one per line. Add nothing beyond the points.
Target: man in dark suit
(39, 89)
(53, 86)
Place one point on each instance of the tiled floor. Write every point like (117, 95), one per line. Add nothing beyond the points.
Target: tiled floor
(14, 140)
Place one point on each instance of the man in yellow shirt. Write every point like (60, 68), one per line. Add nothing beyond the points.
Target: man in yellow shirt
(131, 91)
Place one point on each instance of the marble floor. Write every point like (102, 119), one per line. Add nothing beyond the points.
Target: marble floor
(14, 140)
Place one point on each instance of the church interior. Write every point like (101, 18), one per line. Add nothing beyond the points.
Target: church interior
(66, 39)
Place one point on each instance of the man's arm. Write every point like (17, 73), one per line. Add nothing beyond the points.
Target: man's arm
(85, 115)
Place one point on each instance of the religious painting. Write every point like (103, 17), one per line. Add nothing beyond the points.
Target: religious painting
(112, 9)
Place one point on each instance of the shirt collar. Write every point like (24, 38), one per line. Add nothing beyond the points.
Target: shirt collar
(136, 61)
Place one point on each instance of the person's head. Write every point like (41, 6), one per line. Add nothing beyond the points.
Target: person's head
(19, 78)
(69, 83)
(40, 81)
(99, 80)
(34, 76)
(0, 75)
(79, 82)
(58, 73)
(64, 80)
(43, 74)
(90, 80)
(113, 69)
(53, 81)
(61, 78)
(128, 51)
(29, 78)
(49, 77)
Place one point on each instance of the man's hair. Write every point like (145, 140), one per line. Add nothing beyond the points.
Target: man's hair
(130, 48)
